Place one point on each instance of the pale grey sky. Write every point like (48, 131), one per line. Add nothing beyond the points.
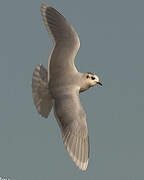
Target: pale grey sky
(112, 46)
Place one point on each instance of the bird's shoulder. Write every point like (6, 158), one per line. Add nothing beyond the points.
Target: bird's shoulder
(65, 84)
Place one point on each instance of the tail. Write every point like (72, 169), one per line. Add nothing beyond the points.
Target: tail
(40, 92)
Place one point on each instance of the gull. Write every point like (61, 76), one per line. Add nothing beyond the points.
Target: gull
(59, 86)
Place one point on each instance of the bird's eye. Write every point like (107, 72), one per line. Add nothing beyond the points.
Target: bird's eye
(93, 78)
(87, 76)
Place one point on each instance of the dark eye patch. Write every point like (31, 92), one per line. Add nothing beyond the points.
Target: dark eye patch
(87, 76)
(93, 78)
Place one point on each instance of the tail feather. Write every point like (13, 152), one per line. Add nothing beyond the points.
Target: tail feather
(40, 92)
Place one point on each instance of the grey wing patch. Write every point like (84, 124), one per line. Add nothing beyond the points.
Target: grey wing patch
(74, 131)
(40, 92)
(66, 42)
(77, 146)
(58, 26)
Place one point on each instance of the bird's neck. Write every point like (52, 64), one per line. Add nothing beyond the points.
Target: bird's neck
(84, 88)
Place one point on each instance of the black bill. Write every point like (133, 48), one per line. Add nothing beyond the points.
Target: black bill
(99, 83)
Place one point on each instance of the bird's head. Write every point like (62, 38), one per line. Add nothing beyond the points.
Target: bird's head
(92, 79)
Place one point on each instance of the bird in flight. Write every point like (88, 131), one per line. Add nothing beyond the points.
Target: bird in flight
(59, 86)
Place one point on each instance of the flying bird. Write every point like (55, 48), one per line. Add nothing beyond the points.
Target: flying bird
(59, 86)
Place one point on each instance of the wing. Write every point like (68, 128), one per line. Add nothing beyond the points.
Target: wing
(72, 121)
(66, 42)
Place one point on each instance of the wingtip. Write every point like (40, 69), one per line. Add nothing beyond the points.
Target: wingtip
(43, 9)
(81, 165)
(44, 6)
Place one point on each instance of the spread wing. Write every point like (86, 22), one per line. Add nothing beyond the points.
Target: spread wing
(66, 42)
(72, 122)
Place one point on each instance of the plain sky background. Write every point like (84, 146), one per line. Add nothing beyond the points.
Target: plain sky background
(112, 46)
